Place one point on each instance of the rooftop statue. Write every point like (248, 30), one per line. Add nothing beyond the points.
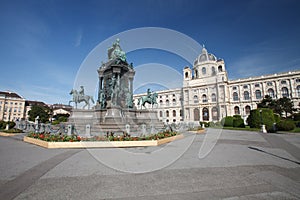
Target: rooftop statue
(115, 51)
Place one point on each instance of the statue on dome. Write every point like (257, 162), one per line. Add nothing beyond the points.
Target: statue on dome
(115, 52)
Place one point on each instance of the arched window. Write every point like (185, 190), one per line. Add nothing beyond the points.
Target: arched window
(285, 92)
(271, 92)
(186, 74)
(160, 102)
(174, 102)
(213, 97)
(247, 110)
(205, 114)
(160, 113)
(167, 102)
(196, 100)
(204, 98)
(167, 113)
(203, 70)
(235, 96)
(246, 95)
(236, 110)
(220, 68)
(258, 94)
(283, 82)
(214, 113)
(174, 113)
(196, 114)
(298, 90)
(213, 71)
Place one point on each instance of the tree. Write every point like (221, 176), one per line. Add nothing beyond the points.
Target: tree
(278, 106)
(284, 105)
(42, 111)
(266, 102)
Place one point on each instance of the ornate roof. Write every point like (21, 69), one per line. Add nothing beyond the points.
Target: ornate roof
(205, 56)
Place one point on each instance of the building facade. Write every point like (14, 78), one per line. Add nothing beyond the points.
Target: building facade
(12, 106)
(208, 95)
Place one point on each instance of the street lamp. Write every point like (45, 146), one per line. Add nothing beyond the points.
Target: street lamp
(263, 127)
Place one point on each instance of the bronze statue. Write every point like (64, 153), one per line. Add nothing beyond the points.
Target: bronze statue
(78, 98)
(150, 98)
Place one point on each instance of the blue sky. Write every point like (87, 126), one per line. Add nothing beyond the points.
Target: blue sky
(44, 42)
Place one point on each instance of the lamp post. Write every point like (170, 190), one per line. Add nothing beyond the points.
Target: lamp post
(263, 127)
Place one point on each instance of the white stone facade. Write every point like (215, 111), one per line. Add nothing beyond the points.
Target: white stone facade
(208, 95)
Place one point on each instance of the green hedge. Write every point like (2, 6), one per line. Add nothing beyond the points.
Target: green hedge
(3, 124)
(227, 121)
(286, 125)
(238, 122)
(233, 121)
(254, 119)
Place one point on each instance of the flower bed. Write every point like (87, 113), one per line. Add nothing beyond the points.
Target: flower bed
(62, 141)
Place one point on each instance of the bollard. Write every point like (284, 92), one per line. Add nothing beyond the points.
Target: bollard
(70, 129)
(127, 127)
(88, 130)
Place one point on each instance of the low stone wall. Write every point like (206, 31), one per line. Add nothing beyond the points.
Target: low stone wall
(101, 144)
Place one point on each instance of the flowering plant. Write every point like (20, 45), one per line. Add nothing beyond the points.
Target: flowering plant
(109, 137)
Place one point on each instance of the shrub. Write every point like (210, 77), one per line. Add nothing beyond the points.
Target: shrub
(254, 119)
(227, 121)
(10, 124)
(238, 122)
(276, 118)
(206, 124)
(2, 124)
(286, 125)
(296, 116)
(13, 130)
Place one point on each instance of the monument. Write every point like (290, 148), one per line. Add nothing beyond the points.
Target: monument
(114, 110)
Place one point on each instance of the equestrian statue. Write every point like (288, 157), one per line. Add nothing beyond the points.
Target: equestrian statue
(79, 97)
(150, 99)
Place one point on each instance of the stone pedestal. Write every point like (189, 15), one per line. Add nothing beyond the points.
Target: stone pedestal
(113, 114)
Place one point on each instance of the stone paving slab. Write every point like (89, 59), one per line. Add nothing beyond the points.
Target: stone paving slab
(231, 170)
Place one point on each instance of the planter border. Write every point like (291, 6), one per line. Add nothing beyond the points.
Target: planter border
(199, 132)
(8, 134)
(100, 144)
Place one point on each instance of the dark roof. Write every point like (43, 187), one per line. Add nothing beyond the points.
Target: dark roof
(11, 95)
(37, 103)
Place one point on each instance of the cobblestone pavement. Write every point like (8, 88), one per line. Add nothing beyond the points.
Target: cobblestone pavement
(241, 165)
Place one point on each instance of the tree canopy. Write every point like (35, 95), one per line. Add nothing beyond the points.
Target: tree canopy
(42, 111)
(279, 106)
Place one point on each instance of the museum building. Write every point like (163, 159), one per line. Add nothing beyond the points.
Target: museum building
(208, 95)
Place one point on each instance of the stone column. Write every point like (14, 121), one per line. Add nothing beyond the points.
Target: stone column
(131, 85)
(100, 87)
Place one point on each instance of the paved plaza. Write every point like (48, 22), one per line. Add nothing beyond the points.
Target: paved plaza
(241, 165)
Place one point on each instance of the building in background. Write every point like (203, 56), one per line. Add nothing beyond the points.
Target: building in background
(60, 109)
(12, 106)
(208, 95)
